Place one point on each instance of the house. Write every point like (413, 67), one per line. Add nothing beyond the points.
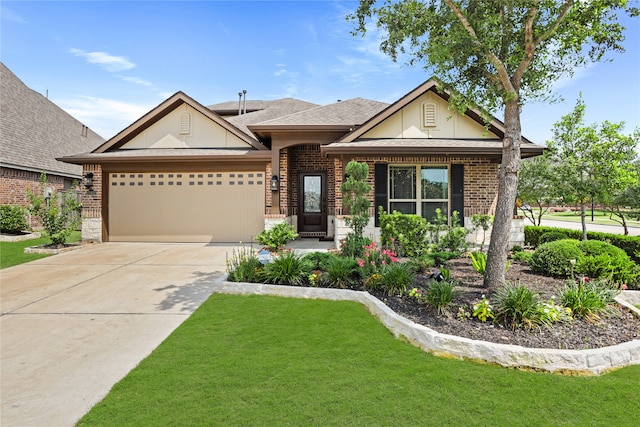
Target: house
(33, 133)
(189, 173)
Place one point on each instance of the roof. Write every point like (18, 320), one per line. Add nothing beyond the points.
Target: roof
(34, 131)
(269, 110)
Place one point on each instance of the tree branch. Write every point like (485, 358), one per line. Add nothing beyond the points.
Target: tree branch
(503, 74)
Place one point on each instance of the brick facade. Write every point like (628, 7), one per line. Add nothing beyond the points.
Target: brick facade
(16, 182)
(307, 157)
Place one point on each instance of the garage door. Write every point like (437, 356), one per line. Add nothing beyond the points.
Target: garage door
(186, 206)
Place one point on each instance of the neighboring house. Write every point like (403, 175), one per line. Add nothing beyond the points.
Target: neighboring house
(185, 173)
(33, 132)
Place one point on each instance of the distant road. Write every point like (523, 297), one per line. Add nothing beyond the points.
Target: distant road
(614, 229)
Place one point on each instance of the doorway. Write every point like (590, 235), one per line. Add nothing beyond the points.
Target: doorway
(312, 204)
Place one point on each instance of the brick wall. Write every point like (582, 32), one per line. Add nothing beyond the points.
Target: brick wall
(307, 157)
(92, 202)
(15, 183)
(480, 178)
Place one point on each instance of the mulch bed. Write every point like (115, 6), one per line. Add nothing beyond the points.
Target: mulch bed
(622, 327)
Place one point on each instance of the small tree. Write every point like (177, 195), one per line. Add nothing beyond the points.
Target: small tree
(354, 191)
(537, 186)
(58, 212)
(482, 221)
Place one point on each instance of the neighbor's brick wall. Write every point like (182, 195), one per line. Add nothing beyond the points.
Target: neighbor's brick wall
(15, 183)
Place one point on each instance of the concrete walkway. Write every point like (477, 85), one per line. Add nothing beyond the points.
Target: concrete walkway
(613, 229)
(74, 324)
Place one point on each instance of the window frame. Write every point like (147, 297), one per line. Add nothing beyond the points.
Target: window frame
(418, 200)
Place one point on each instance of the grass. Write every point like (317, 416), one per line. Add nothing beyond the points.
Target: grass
(12, 253)
(600, 217)
(269, 361)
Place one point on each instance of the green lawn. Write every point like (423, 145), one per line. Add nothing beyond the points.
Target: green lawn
(269, 361)
(12, 253)
(599, 217)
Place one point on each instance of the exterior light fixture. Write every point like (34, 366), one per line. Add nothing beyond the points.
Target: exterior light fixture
(88, 180)
(275, 183)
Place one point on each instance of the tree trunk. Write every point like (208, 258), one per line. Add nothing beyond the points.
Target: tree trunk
(583, 220)
(494, 276)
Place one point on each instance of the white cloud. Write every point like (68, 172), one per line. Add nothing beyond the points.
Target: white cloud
(136, 80)
(104, 116)
(10, 15)
(280, 72)
(108, 62)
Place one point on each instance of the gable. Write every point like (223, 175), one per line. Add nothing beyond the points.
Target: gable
(428, 116)
(185, 127)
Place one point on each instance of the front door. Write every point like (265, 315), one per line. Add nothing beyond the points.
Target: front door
(312, 202)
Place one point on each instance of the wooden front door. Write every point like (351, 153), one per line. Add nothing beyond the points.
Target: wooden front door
(312, 202)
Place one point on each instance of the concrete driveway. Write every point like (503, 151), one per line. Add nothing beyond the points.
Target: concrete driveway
(74, 324)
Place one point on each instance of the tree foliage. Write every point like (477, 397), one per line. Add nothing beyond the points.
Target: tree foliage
(593, 163)
(354, 190)
(500, 54)
(537, 187)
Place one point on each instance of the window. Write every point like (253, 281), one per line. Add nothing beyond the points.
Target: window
(419, 190)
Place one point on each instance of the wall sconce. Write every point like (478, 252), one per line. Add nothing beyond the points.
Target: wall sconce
(88, 180)
(275, 183)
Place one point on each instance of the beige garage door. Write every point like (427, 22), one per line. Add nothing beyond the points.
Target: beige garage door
(186, 206)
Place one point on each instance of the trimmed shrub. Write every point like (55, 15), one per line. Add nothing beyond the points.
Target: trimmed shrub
(551, 236)
(629, 244)
(556, 258)
(603, 260)
(13, 219)
(405, 234)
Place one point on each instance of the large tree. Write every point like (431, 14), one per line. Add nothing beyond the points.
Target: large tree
(537, 186)
(500, 54)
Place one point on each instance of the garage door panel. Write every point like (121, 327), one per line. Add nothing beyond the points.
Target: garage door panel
(186, 207)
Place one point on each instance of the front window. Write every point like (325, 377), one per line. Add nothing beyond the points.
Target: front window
(420, 190)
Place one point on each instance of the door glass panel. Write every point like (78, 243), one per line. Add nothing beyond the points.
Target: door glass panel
(312, 194)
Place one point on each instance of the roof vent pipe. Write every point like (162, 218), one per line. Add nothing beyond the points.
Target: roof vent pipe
(244, 92)
(239, 103)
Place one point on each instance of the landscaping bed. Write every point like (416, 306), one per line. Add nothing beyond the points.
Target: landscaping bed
(577, 334)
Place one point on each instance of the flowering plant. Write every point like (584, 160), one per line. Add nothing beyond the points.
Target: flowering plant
(375, 259)
(419, 294)
(483, 310)
(314, 278)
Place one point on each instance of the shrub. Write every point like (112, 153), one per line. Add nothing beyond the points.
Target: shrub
(517, 248)
(441, 258)
(588, 299)
(354, 191)
(479, 262)
(551, 236)
(629, 244)
(482, 221)
(59, 214)
(455, 239)
(522, 256)
(517, 305)
(602, 259)
(339, 270)
(278, 236)
(556, 258)
(287, 268)
(440, 295)
(396, 278)
(352, 246)
(404, 233)
(319, 260)
(244, 266)
(423, 263)
(12, 219)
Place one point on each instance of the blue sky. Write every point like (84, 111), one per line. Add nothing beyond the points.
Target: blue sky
(108, 63)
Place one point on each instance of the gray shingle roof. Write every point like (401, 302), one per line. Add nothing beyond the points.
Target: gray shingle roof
(34, 131)
(270, 110)
(350, 112)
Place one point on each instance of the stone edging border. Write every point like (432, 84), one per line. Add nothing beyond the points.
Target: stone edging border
(49, 251)
(19, 238)
(565, 362)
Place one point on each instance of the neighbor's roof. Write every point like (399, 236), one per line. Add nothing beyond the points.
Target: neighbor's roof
(34, 131)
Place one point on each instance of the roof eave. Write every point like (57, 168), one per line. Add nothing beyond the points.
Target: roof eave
(90, 158)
